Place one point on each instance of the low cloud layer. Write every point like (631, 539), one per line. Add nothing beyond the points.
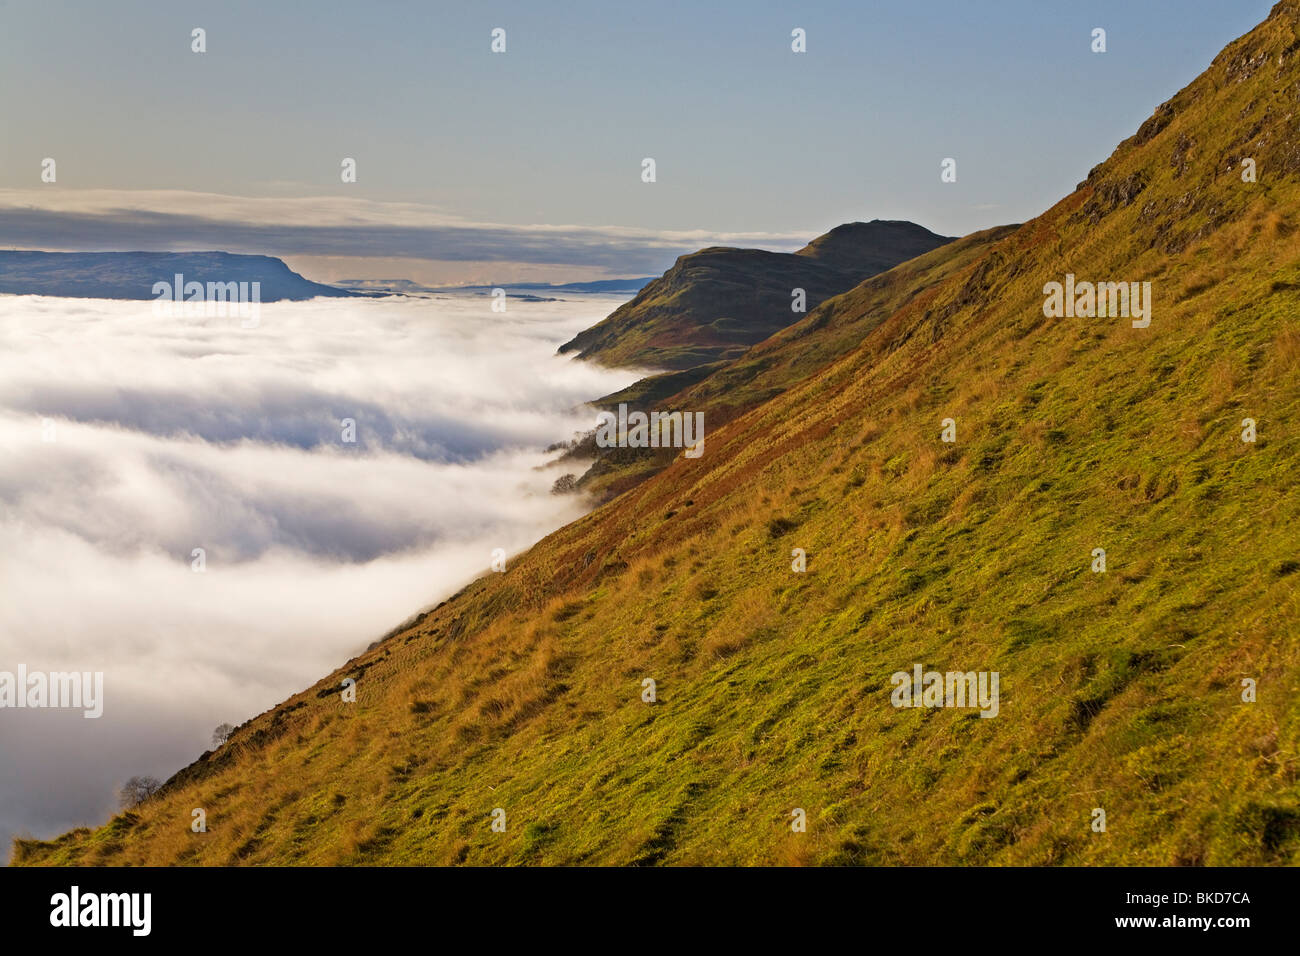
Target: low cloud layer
(106, 220)
(173, 434)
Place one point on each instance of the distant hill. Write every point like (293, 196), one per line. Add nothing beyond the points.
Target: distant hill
(715, 303)
(385, 286)
(595, 286)
(131, 275)
(515, 289)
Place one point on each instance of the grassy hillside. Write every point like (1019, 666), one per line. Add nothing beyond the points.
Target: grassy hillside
(1119, 690)
(713, 304)
(725, 389)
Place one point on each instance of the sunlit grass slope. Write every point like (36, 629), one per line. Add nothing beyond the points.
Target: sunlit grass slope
(724, 390)
(1120, 690)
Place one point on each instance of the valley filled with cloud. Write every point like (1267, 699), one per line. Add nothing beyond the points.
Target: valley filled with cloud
(133, 439)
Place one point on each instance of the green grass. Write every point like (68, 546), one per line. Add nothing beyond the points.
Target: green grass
(1119, 691)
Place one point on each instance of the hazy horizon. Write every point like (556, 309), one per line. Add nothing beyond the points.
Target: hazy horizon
(475, 167)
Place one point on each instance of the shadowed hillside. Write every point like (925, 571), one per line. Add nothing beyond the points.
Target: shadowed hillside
(1121, 690)
(713, 304)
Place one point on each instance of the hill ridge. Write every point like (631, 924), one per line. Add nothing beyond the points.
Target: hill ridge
(716, 302)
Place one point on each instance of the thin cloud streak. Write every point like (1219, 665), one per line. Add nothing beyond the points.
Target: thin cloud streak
(104, 220)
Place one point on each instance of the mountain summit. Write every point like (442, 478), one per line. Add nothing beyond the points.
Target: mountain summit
(867, 248)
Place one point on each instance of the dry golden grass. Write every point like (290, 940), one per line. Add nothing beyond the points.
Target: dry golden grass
(1119, 690)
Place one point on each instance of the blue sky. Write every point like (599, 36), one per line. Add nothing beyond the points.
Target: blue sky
(754, 144)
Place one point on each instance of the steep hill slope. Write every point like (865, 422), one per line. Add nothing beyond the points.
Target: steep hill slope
(713, 304)
(722, 390)
(830, 331)
(1120, 690)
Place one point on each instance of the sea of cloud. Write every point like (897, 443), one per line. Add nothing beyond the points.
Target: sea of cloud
(127, 440)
